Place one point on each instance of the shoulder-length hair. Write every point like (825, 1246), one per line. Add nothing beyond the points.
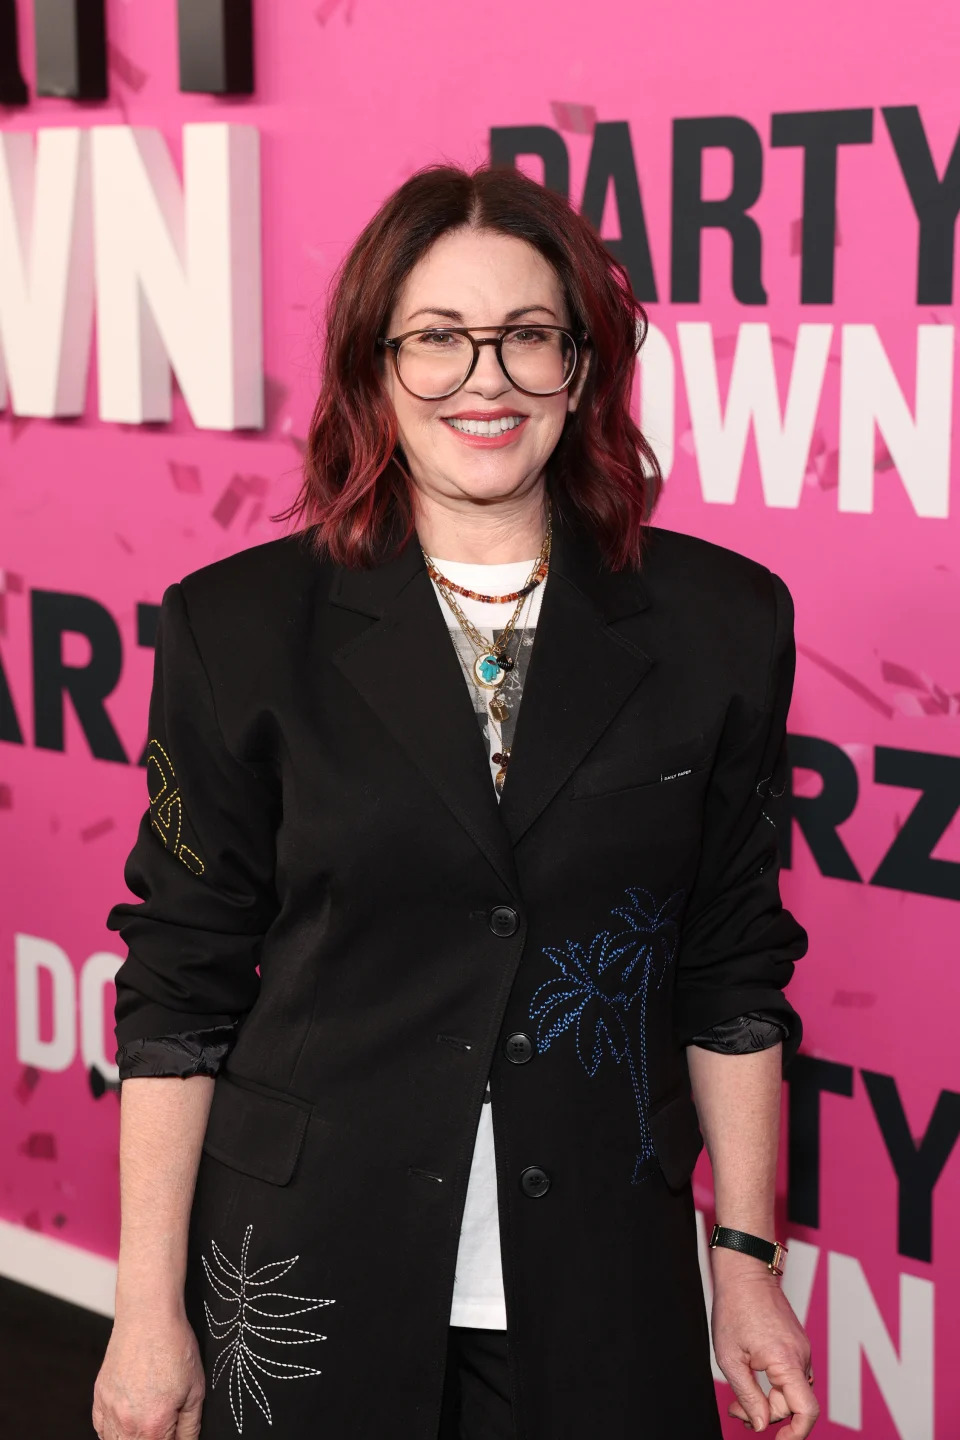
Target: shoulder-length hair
(602, 475)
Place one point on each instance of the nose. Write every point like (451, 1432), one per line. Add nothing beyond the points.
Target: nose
(488, 379)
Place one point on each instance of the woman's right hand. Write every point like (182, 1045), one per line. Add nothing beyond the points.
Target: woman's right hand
(151, 1383)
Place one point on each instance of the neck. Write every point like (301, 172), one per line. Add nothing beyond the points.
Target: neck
(480, 533)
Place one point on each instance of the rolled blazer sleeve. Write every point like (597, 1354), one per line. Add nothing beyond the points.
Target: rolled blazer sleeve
(738, 944)
(203, 863)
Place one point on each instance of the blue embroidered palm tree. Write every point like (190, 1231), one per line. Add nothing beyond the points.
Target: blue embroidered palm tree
(601, 993)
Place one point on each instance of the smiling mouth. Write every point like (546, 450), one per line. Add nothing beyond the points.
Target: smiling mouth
(498, 426)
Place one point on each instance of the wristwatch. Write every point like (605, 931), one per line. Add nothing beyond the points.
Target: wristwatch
(770, 1251)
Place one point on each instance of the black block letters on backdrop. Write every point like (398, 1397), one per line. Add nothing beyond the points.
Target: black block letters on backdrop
(88, 685)
(13, 88)
(820, 133)
(215, 41)
(71, 40)
(908, 863)
(612, 163)
(918, 1164)
(692, 214)
(935, 200)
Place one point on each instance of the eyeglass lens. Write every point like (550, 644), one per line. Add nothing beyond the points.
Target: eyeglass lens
(434, 363)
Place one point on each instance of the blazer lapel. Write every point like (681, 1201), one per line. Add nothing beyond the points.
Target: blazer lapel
(405, 667)
(581, 671)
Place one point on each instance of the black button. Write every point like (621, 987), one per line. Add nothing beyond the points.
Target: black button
(518, 1048)
(534, 1181)
(504, 920)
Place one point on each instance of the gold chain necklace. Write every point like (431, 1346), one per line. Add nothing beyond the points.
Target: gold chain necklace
(491, 665)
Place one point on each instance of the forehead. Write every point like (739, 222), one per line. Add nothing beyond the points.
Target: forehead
(482, 274)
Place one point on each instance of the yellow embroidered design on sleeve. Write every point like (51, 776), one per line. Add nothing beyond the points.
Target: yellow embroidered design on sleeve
(166, 807)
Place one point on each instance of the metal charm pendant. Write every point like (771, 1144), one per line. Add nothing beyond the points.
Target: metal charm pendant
(487, 671)
(499, 709)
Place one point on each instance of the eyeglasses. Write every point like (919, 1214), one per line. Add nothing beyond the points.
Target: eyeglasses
(536, 359)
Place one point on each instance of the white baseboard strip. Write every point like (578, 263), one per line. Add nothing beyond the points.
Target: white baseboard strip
(57, 1268)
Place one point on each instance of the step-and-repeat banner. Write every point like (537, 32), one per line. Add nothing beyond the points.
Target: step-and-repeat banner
(783, 187)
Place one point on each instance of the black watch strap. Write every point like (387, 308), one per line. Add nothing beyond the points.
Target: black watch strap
(770, 1251)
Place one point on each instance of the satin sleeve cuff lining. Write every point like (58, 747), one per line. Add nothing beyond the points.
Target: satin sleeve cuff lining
(744, 1034)
(189, 1052)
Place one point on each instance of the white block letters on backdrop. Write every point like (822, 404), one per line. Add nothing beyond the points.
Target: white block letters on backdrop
(871, 400)
(46, 271)
(174, 269)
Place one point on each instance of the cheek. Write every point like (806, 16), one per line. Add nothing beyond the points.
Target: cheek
(552, 420)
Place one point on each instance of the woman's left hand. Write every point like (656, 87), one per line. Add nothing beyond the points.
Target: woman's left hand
(754, 1328)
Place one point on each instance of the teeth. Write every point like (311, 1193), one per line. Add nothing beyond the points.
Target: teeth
(485, 427)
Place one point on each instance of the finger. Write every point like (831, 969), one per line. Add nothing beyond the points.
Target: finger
(188, 1422)
(779, 1409)
(752, 1400)
(802, 1402)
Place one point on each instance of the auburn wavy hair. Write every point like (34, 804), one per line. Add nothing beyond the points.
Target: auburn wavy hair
(355, 494)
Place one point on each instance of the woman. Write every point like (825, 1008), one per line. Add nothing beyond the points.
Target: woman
(457, 989)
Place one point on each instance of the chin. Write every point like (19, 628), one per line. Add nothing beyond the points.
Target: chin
(490, 486)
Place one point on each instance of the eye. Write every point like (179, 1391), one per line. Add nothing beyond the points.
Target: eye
(529, 337)
(438, 339)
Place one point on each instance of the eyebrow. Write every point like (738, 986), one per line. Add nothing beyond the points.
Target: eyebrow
(457, 318)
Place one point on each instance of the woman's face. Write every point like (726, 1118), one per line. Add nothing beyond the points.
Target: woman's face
(478, 278)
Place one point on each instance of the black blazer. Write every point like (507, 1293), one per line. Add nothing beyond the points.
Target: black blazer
(324, 855)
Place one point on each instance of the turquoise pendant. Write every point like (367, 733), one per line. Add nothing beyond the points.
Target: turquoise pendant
(487, 671)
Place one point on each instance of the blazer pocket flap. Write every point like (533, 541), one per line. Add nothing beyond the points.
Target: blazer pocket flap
(254, 1132)
(626, 770)
(677, 1140)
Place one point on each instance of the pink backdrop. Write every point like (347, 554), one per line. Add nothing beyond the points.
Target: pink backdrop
(352, 96)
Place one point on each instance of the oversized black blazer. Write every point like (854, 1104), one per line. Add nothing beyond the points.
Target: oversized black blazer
(324, 854)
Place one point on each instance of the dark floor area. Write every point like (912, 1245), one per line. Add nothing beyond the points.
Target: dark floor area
(52, 1352)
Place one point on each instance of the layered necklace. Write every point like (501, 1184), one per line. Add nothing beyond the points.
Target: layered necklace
(491, 664)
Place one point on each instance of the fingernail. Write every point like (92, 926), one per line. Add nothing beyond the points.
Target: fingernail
(758, 1423)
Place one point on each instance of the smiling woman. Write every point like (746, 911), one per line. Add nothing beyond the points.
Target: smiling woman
(467, 324)
(483, 772)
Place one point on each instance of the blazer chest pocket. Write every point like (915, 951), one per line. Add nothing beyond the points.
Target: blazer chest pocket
(661, 765)
(256, 1130)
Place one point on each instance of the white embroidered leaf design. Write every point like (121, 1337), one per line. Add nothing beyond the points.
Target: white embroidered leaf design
(247, 1329)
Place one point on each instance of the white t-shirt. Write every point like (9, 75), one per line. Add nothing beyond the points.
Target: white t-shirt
(478, 1288)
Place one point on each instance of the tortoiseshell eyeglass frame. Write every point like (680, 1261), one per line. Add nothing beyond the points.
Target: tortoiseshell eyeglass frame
(394, 342)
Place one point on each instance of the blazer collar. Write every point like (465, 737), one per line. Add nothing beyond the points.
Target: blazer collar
(573, 555)
(565, 706)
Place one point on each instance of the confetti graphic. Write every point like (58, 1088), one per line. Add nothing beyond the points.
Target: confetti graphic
(927, 697)
(27, 1083)
(124, 69)
(854, 999)
(186, 478)
(858, 688)
(41, 1145)
(324, 12)
(576, 119)
(796, 237)
(240, 488)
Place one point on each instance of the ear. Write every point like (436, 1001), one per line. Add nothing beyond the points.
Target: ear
(576, 389)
